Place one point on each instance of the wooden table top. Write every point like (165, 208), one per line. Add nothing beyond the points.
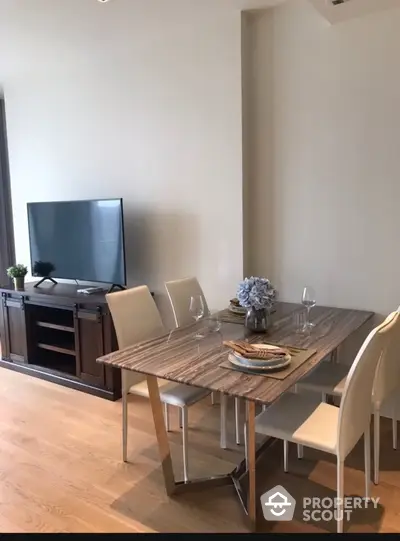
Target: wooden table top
(178, 356)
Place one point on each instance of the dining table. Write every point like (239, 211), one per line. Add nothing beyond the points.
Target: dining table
(181, 356)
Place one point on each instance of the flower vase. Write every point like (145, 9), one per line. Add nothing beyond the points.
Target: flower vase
(257, 320)
(19, 283)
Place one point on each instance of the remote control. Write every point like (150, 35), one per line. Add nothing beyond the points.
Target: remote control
(91, 290)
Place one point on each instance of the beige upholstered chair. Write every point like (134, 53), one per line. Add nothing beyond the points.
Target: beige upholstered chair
(179, 293)
(305, 420)
(330, 378)
(136, 319)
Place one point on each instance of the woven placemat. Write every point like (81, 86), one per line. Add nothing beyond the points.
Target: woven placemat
(299, 356)
(230, 317)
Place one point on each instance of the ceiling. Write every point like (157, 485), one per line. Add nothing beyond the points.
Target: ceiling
(352, 8)
(334, 14)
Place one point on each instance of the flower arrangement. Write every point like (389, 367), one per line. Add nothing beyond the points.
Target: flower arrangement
(257, 293)
(17, 271)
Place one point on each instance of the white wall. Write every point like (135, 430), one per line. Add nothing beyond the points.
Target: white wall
(324, 186)
(135, 99)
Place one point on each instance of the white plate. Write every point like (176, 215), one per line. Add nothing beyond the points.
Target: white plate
(232, 359)
(254, 363)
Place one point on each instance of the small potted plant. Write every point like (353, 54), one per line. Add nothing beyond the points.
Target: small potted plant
(257, 295)
(18, 273)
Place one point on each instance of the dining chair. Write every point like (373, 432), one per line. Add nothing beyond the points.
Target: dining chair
(329, 379)
(136, 319)
(305, 420)
(179, 293)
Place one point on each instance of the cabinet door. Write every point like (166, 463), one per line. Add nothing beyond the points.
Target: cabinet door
(14, 334)
(89, 345)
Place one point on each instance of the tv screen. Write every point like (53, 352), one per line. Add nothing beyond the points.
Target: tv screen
(82, 240)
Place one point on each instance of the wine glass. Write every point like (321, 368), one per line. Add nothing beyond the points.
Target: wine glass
(214, 322)
(197, 310)
(308, 300)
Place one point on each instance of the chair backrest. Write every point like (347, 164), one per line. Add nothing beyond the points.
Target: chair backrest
(136, 319)
(355, 406)
(135, 316)
(387, 379)
(179, 293)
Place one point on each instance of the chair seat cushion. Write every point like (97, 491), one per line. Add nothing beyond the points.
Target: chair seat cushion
(175, 394)
(301, 419)
(178, 394)
(329, 378)
(140, 389)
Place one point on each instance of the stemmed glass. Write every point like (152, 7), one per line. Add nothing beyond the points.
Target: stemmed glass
(197, 310)
(308, 300)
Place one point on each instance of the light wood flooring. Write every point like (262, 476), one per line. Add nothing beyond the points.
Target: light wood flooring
(61, 469)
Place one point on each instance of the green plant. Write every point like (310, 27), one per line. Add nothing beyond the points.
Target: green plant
(17, 271)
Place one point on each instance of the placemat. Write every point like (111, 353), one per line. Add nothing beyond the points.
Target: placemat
(230, 317)
(299, 356)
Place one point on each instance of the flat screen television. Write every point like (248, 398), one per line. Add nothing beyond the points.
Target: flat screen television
(80, 240)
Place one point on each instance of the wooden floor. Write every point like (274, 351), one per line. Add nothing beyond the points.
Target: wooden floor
(61, 469)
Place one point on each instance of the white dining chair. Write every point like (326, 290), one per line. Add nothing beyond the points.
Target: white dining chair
(179, 293)
(305, 420)
(329, 379)
(136, 319)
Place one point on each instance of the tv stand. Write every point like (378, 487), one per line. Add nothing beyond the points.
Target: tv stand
(44, 279)
(115, 286)
(56, 334)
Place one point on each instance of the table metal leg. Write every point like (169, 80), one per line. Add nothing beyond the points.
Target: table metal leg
(245, 491)
(251, 461)
(175, 487)
(161, 433)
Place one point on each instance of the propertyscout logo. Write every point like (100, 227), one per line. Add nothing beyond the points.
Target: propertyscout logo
(279, 505)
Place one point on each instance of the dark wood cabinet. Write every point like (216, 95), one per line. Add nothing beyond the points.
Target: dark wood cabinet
(14, 337)
(89, 333)
(55, 333)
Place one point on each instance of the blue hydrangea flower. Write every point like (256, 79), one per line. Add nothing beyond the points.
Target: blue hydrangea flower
(257, 293)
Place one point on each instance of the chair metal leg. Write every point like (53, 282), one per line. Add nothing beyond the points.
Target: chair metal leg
(300, 452)
(394, 427)
(367, 461)
(180, 418)
(323, 397)
(185, 443)
(264, 407)
(340, 494)
(377, 419)
(285, 455)
(166, 416)
(223, 406)
(213, 399)
(237, 420)
(125, 427)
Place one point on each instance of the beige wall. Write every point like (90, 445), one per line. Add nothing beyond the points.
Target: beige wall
(324, 181)
(135, 99)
